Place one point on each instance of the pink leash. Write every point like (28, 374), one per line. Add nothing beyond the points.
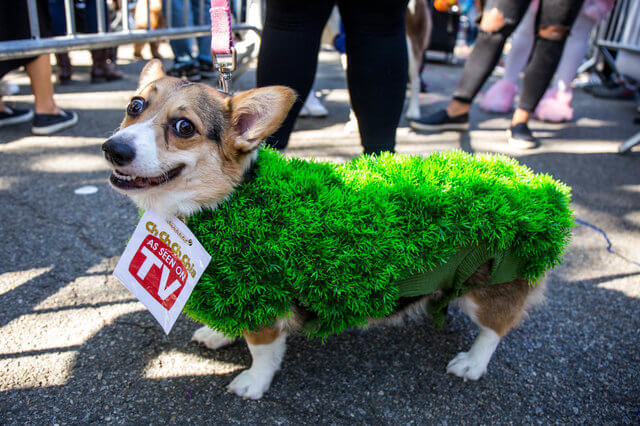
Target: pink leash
(222, 51)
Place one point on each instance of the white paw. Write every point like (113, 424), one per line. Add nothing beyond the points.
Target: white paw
(467, 367)
(249, 385)
(210, 338)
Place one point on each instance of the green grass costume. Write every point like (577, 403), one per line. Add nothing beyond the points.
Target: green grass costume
(346, 241)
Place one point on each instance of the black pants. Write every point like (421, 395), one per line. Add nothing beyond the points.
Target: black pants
(376, 65)
(544, 58)
(14, 25)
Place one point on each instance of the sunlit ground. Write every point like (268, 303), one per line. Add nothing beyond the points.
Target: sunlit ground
(42, 337)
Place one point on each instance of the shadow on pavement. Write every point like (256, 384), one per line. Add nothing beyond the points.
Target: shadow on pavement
(381, 375)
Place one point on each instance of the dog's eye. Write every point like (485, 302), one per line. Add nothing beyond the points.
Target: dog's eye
(136, 107)
(184, 128)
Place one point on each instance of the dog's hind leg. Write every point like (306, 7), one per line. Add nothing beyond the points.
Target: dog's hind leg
(211, 338)
(267, 348)
(495, 309)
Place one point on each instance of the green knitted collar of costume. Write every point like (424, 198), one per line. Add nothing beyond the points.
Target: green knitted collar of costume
(346, 241)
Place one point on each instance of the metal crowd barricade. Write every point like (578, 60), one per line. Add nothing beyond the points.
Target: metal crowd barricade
(37, 45)
(621, 32)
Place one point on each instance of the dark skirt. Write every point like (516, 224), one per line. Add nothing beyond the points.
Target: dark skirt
(14, 25)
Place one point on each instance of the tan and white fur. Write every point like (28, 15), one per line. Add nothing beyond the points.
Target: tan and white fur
(185, 146)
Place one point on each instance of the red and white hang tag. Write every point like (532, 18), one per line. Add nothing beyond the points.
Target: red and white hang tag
(161, 265)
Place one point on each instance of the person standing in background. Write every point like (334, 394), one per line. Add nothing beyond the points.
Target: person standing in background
(102, 68)
(377, 59)
(48, 117)
(499, 19)
(555, 106)
(189, 64)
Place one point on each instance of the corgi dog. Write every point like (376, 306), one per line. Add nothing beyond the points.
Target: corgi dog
(186, 146)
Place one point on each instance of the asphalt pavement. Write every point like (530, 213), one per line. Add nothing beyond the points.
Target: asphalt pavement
(77, 348)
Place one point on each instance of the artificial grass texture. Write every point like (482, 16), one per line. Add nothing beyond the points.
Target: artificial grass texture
(336, 238)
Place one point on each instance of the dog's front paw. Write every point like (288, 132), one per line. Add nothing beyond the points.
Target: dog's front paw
(249, 385)
(210, 338)
(466, 366)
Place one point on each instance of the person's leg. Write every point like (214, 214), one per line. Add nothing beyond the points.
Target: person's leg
(555, 18)
(181, 47)
(65, 69)
(499, 19)
(521, 44)
(14, 25)
(10, 116)
(377, 67)
(555, 106)
(500, 96)
(204, 43)
(575, 50)
(289, 52)
(101, 68)
(554, 21)
(39, 71)
(49, 118)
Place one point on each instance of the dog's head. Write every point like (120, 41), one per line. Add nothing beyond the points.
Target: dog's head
(184, 146)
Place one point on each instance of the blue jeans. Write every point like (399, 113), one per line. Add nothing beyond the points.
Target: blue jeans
(182, 47)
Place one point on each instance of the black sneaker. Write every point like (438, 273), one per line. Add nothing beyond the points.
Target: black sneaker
(46, 124)
(206, 70)
(619, 92)
(15, 116)
(440, 120)
(521, 137)
(186, 69)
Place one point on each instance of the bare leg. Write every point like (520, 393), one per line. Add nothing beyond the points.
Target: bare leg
(520, 116)
(39, 71)
(456, 108)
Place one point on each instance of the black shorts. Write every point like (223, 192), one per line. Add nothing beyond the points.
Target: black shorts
(14, 25)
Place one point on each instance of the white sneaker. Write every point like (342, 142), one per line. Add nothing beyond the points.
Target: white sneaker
(312, 107)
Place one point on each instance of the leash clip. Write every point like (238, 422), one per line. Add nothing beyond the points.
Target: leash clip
(225, 64)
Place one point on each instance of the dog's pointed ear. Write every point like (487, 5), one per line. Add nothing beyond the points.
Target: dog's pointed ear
(151, 72)
(257, 113)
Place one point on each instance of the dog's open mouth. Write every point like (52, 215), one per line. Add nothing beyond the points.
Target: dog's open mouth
(125, 181)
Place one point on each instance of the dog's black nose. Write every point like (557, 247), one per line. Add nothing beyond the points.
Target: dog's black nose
(118, 151)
